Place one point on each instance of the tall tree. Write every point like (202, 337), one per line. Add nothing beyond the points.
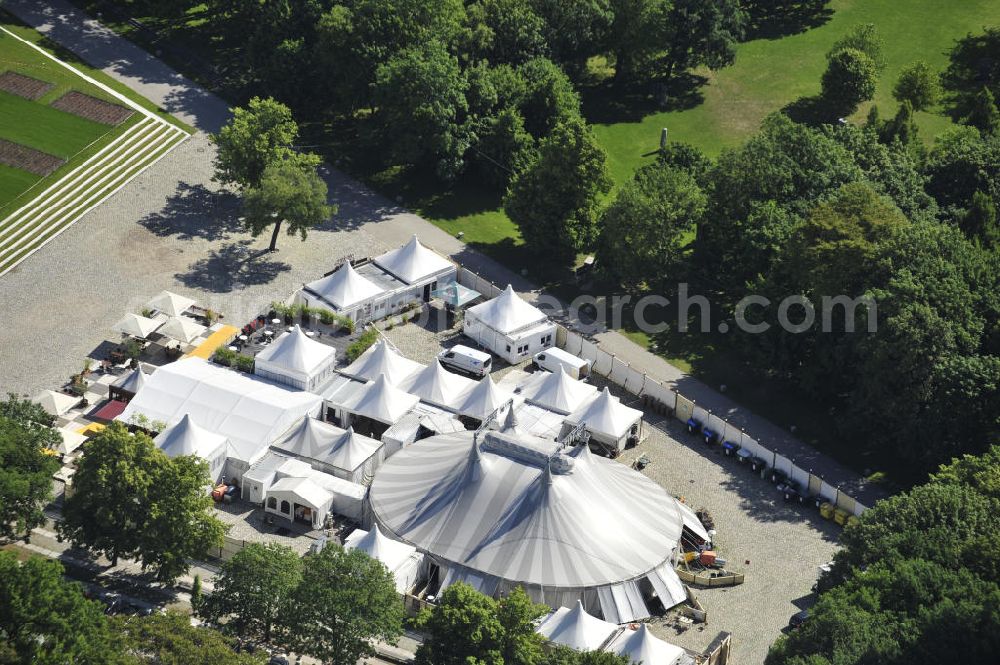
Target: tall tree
(514, 33)
(170, 639)
(962, 162)
(260, 134)
(849, 79)
(974, 62)
(632, 37)
(863, 37)
(983, 112)
(918, 84)
(253, 589)
(574, 29)
(555, 201)
(45, 620)
(980, 221)
(345, 602)
(548, 97)
(902, 127)
(504, 148)
(290, 192)
(700, 32)
(25, 467)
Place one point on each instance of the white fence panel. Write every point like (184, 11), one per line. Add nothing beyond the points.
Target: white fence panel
(828, 492)
(603, 363)
(731, 433)
(634, 381)
(755, 448)
(783, 464)
(859, 509)
(700, 414)
(800, 476)
(573, 343)
(619, 372)
(717, 425)
(589, 351)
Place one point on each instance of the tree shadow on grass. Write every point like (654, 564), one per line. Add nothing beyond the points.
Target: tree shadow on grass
(609, 103)
(774, 20)
(813, 111)
(233, 266)
(195, 211)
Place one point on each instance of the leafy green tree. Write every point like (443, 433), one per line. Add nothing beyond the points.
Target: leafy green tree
(555, 201)
(253, 589)
(972, 65)
(560, 655)
(25, 469)
(918, 84)
(517, 614)
(902, 127)
(700, 32)
(863, 37)
(574, 29)
(849, 79)
(26, 412)
(346, 600)
(170, 639)
(548, 97)
(961, 163)
(290, 192)
(504, 148)
(420, 95)
(514, 33)
(45, 620)
(980, 221)
(643, 230)
(983, 112)
(632, 37)
(260, 134)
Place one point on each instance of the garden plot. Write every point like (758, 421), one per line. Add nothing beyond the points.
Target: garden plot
(24, 86)
(92, 108)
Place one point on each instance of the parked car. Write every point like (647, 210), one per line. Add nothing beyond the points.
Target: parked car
(467, 360)
(554, 358)
(798, 619)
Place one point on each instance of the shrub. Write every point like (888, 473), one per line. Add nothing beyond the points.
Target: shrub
(361, 344)
(244, 363)
(224, 356)
(326, 317)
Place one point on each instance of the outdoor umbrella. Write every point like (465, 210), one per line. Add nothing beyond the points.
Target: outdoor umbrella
(182, 329)
(170, 303)
(136, 326)
(55, 404)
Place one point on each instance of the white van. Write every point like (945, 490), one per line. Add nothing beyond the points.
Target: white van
(554, 358)
(467, 360)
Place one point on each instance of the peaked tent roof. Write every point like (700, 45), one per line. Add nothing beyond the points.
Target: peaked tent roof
(132, 382)
(303, 490)
(55, 403)
(136, 326)
(295, 351)
(606, 414)
(436, 385)
(181, 328)
(170, 303)
(321, 441)
(381, 401)
(483, 399)
(413, 262)
(642, 647)
(344, 287)
(575, 628)
(382, 360)
(507, 312)
(373, 543)
(559, 392)
(188, 438)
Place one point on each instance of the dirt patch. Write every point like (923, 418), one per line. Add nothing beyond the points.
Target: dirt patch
(92, 108)
(23, 86)
(31, 160)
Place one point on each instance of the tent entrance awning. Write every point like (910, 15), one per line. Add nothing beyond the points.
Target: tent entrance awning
(455, 295)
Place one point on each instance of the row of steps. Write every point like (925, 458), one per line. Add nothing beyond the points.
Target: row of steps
(27, 229)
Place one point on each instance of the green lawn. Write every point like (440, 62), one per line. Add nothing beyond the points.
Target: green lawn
(45, 128)
(13, 182)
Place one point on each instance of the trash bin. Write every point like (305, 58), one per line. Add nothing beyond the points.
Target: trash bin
(693, 425)
(709, 435)
(756, 464)
(729, 448)
(743, 455)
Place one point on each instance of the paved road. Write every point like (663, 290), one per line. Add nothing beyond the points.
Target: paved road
(384, 222)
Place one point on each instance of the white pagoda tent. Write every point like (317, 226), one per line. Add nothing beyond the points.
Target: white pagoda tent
(416, 265)
(185, 437)
(170, 303)
(55, 403)
(483, 399)
(402, 560)
(343, 291)
(643, 648)
(181, 329)
(136, 326)
(608, 420)
(380, 401)
(295, 360)
(436, 385)
(559, 392)
(509, 326)
(576, 629)
(342, 453)
(381, 359)
(131, 383)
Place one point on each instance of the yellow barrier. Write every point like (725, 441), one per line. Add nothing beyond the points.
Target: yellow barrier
(220, 337)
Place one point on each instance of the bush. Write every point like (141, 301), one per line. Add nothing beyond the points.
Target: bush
(244, 363)
(326, 317)
(361, 344)
(224, 356)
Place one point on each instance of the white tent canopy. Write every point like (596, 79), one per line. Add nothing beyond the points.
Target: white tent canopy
(55, 403)
(507, 313)
(483, 399)
(345, 450)
(294, 359)
(344, 287)
(436, 385)
(249, 412)
(132, 382)
(170, 303)
(644, 648)
(182, 329)
(381, 359)
(413, 262)
(605, 414)
(70, 441)
(402, 560)
(576, 629)
(136, 326)
(559, 392)
(381, 401)
(188, 438)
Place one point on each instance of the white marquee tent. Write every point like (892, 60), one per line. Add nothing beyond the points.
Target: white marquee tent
(509, 326)
(136, 326)
(483, 399)
(343, 453)
(170, 303)
(414, 263)
(572, 528)
(381, 359)
(402, 560)
(643, 648)
(249, 412)
(55, 403)
(344, 288)
(607, 419)
(295, 360)
(576, 629)
(558, 391)
(381, 401)
(181, 329)
(186, 437)
(436, 385)
(132, 382)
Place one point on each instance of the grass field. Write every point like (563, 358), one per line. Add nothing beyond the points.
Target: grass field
(45, 128)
